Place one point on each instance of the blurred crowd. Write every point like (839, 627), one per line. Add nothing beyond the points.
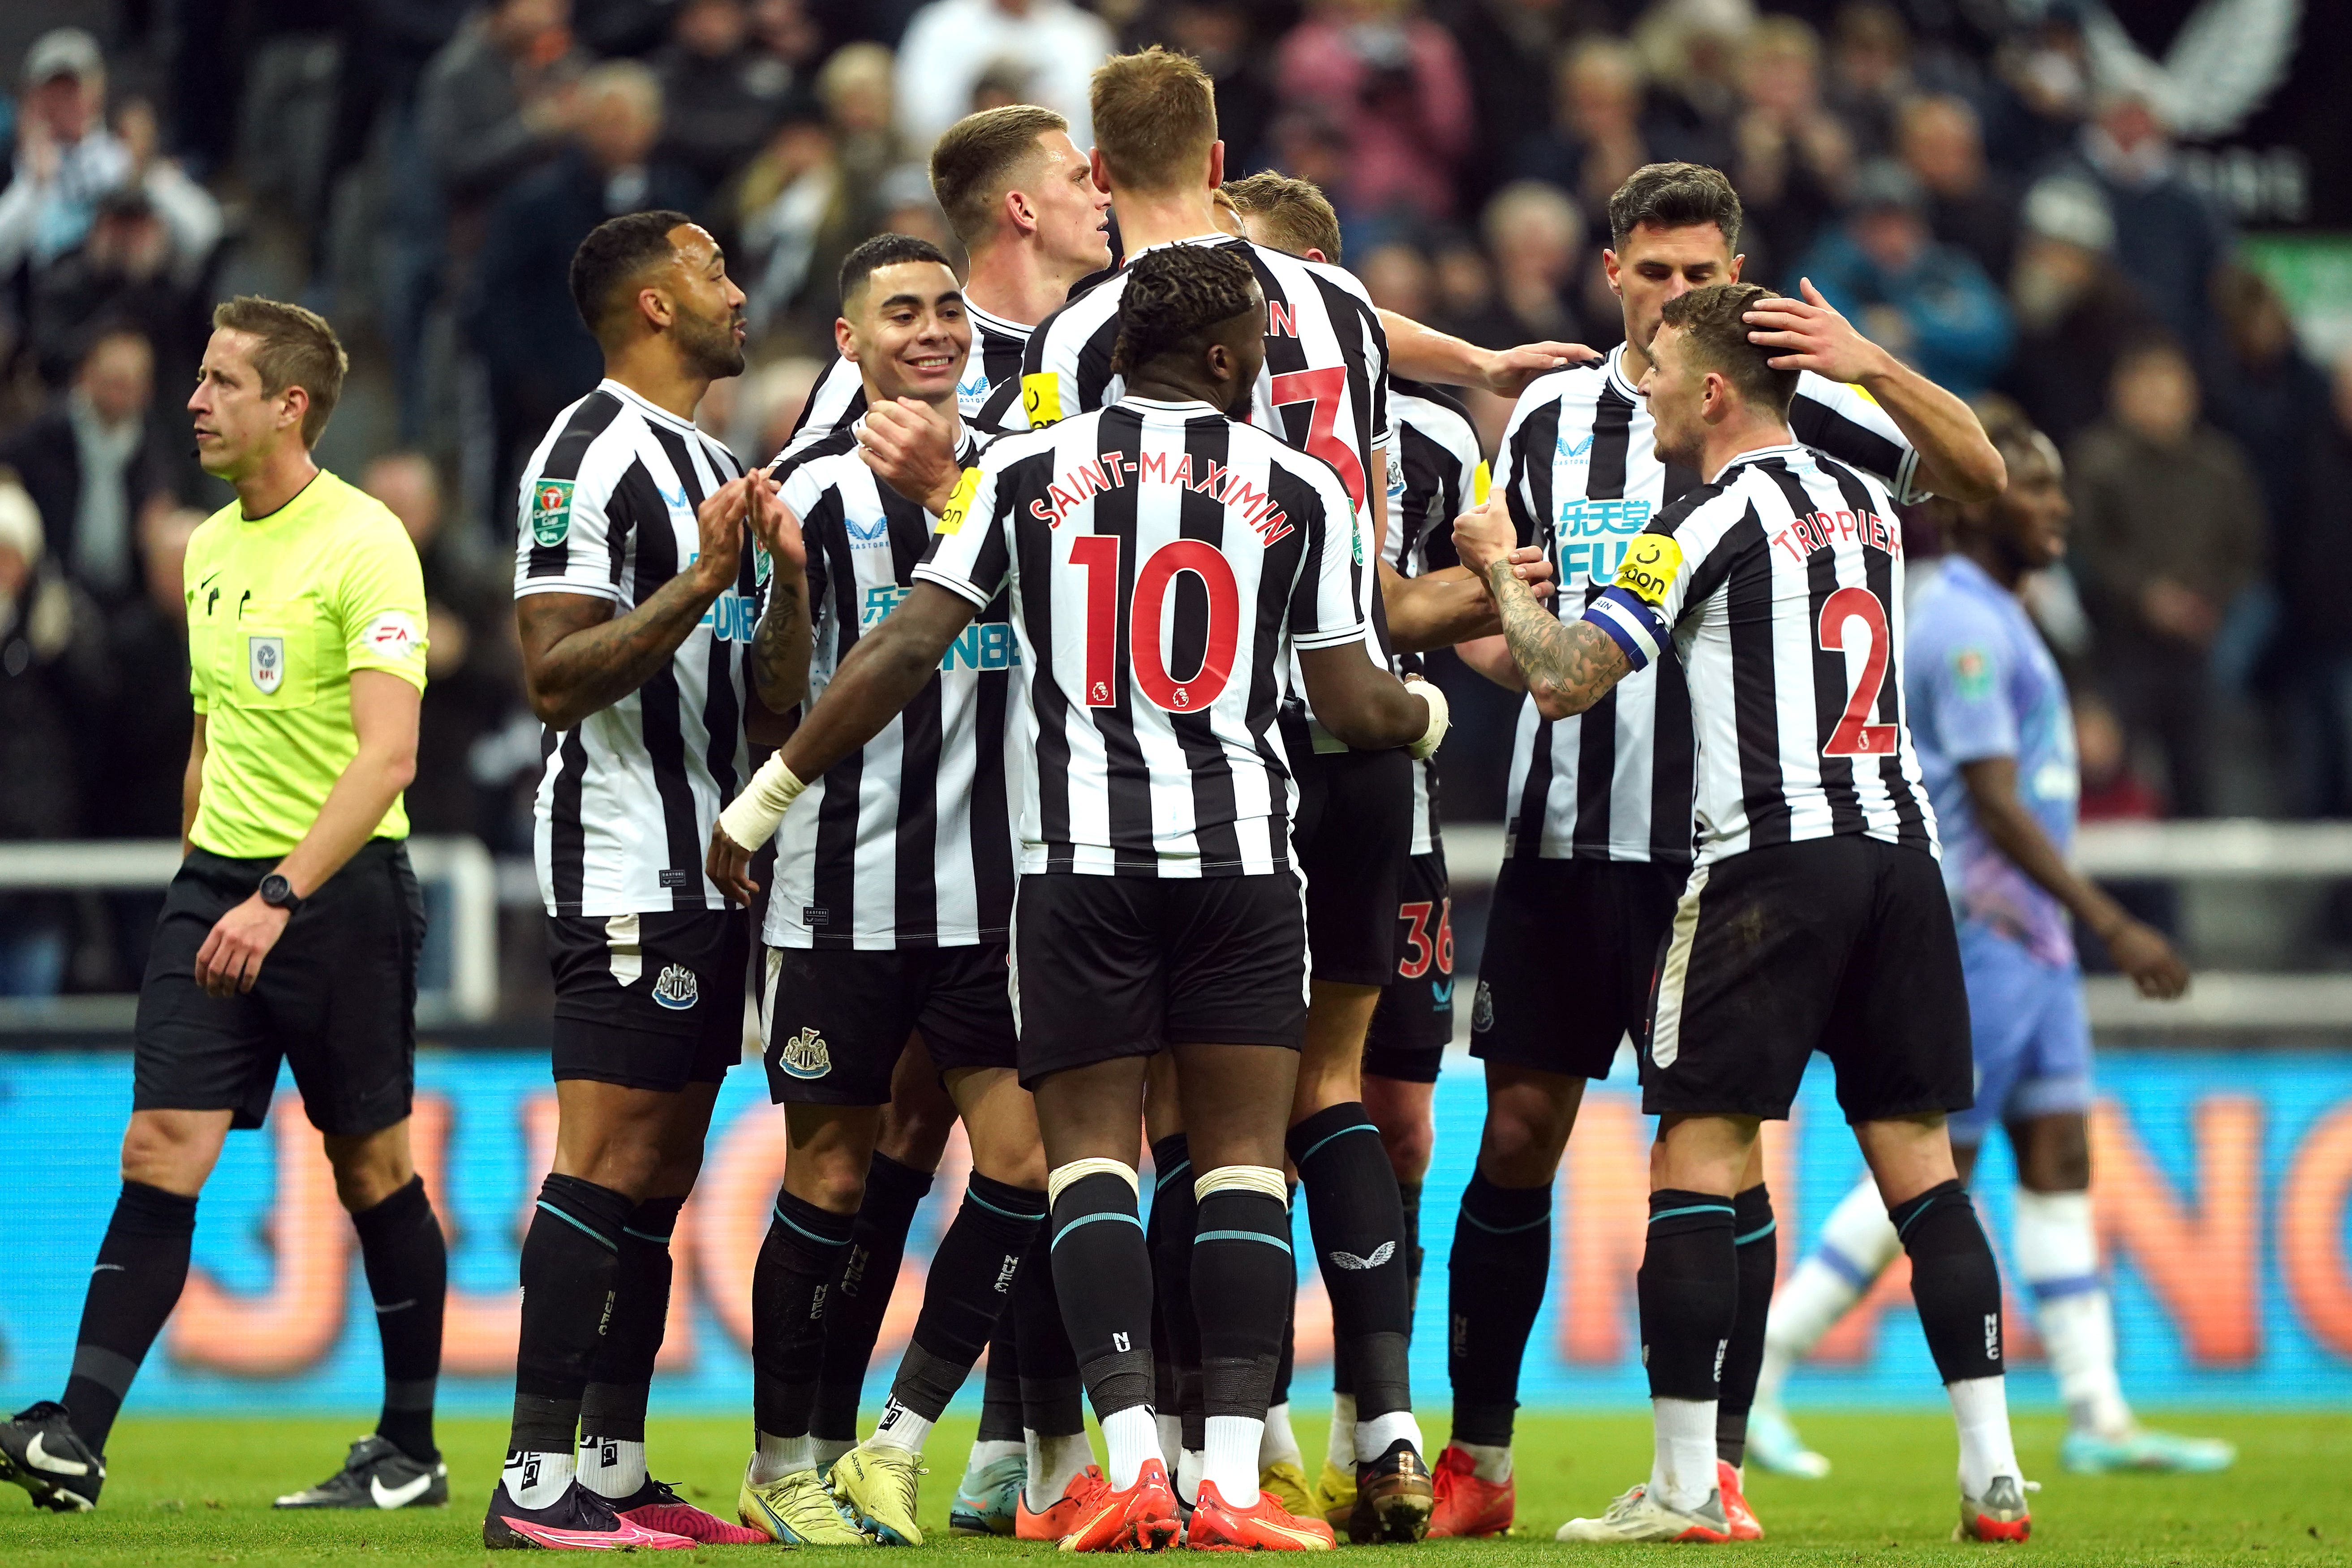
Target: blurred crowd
(1979, 191)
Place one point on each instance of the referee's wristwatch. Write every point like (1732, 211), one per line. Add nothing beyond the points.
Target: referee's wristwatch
(279, 894)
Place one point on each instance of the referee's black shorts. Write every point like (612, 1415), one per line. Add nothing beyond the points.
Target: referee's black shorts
(336, 998)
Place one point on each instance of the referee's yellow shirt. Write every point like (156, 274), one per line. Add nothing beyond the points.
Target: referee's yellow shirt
(282, 609)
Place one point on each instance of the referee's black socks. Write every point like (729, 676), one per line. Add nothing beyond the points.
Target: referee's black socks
(143, 1264)
(1357, 1218)
(613, 1406)
(570, 1259)
(853, 1309)
(407, 1265)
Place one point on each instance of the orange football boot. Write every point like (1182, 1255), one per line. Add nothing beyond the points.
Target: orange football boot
(1735, 1511)
(1141, 1518)
(1467, 1505)
(1264, 1526)
(1061, 1513)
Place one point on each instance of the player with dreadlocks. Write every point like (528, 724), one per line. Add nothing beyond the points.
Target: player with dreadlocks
(1166, 563)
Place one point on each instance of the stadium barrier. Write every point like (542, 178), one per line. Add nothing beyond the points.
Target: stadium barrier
(2224, 1185)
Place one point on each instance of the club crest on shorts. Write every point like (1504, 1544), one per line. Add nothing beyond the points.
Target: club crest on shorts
(264, 661)
(805, 1055)
(676, 989)
(1482, 1009)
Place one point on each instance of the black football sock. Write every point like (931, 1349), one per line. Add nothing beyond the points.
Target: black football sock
(853, 1309)
(1409, 1199)
(407, 1265)
(571, 1257)
(1242, 1281)
(1954, 1281)
(999, 1399)
(1049, 1368)
(1102, 1276)
(1494, 1289)
(799, 1259)
(1754, 1235)
(1357, 1218)
(971, 1277)
(1284, 1367)
(1173, 1220)
(1689, 1292)
(613, 1406)
(143, 1264)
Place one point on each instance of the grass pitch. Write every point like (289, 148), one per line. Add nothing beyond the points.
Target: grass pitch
(198, 1492)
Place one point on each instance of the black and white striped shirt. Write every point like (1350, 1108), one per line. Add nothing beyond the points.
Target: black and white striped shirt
(1778, 590)
(1163, 561)
(626, 804)
(909, 841)
(1435, 474)
(838, 399)
(1580, 469)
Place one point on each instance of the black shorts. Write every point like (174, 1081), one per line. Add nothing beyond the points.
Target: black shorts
(649, 1001)
(336, 997)
(1414, 1021)
(1570, 948)
(1353, 835)
(834, 1021)
(1841, 945)
(1105, 967)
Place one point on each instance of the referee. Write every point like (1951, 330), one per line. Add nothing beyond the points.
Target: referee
(292, 929)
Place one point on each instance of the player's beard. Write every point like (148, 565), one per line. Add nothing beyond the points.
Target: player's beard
(711, 347)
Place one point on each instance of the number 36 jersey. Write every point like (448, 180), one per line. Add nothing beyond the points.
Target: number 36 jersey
(1163, 561)
(1779, 588)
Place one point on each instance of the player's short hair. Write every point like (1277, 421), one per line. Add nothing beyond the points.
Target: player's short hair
(617, 252)
(1173, 296)
(1710, 321)
(885, 250)
(1294, 214)
(1155, 119)
(978, 157)
(292, 347)
(1673, 196)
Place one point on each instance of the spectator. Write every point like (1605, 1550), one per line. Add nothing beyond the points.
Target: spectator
(859, 91)
(1536, 237)
(135, 785)
(1791, 158)
(787, 41)
(1968, 203)
(496, 102)
(1510, 52)
(2266, 394)
(951, 44)
(2315, 585)
(794, 209)
(2075, 310)
(1691, 50)
(1218, 34)
(53, 677)
(722, 98)
(1869, 73)
(1596, 138)
(1392, 82)
(538, 355)
(2040, 90)
(2169, 532)
(100, 460)
(1399, 279)
(2173, 239)
(1927, 302)
(67, 162)
(124, 273)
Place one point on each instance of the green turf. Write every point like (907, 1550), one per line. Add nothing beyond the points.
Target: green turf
(199, 1490)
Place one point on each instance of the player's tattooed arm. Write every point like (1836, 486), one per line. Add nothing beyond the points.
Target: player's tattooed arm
(1569, 666)
(782, 644)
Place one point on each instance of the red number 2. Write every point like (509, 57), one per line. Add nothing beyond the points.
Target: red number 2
(1324, 389)
(1097, 554)
(1855, 736)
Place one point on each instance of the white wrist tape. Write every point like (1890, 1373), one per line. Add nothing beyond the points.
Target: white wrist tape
(751, 820)
(1440, 716)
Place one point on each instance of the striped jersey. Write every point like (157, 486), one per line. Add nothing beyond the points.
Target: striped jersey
(838, 399)
(1778, 588)
(1435, 473)
(1163, 561)
(1580, 469)
(627, 797)
(907, 842)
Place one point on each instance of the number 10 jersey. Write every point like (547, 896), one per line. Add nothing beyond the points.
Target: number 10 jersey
(1163, 561)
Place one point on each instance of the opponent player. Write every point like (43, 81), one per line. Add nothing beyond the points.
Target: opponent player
(1814, 918)
(1165, 562)
(1997, 744)
(1600, 807)
(1022, 200)
(632, 592)
(894, 892)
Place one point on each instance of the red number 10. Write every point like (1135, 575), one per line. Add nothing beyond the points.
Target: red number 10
(1097, 554)
(1855, 736)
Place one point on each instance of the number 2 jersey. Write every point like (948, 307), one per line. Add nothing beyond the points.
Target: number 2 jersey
(1778, 590)
(1162, 562)
(1580, 469)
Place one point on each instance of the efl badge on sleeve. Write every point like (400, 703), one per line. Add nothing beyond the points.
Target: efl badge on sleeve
(551, 511)
(264, 661)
